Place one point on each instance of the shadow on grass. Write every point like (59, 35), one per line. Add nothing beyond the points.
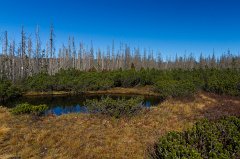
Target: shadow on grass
(221, 107)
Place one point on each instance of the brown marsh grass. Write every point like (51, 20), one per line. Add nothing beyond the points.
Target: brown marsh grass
(92, 136)
(146, 90)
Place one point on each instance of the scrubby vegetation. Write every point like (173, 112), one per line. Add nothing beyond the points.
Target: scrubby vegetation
(175, 88)
(115, 108)
(8, 90)
(26, 108)
(167, 82)
(207, 139)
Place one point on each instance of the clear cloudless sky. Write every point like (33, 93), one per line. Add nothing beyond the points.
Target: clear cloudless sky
(169, 26)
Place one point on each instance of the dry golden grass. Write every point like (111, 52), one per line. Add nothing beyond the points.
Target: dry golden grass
(146, 90)
(34, 93)
(3, 131)
(92, 136)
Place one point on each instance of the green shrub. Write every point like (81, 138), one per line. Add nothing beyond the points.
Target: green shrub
(223, 86)
(26, 108)
(127, 78)
(175, 82)
(175, 88)
(219, 139)
(40, 82)
(149, 76)
(115, 108)
(8, 90)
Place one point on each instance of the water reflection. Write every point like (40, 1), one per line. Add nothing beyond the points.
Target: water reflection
(59, 105)
(59, 110)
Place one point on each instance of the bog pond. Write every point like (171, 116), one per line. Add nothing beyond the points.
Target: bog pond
(59, 105)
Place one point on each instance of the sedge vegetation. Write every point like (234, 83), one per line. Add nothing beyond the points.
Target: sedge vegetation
(97, 136)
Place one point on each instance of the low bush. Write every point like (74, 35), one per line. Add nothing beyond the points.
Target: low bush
(174, 82)
(207, 139)
(175, 88)
(40, 82)
(226, 85)
(127, 78)
(115, 108)
(8, 90)
(26, 108)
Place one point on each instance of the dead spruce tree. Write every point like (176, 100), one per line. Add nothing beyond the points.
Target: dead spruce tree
(30, 57)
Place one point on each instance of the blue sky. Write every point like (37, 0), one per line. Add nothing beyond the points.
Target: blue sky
(169, 26)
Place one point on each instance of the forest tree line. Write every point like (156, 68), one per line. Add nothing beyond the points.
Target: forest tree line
(28, 57)
(28, 66)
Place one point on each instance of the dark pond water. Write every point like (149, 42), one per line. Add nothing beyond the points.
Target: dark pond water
(59, 105)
